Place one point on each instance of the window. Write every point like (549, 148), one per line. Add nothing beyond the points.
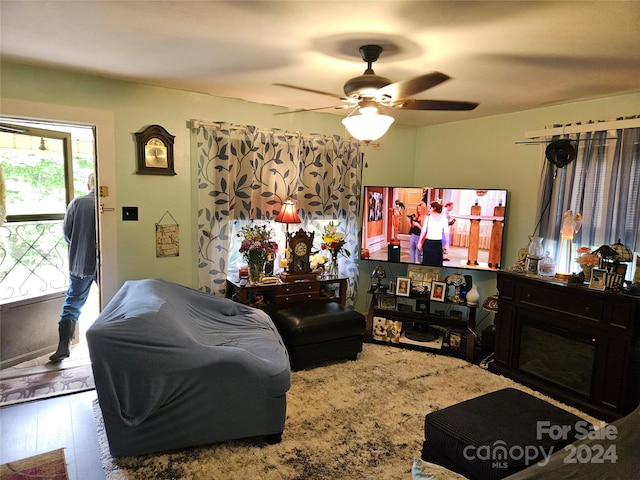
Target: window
(603, 185)
(41, 176)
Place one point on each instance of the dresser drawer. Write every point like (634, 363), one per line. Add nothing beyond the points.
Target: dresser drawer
(297, 297)
(301, 287)
(297, 292)
(573, 303)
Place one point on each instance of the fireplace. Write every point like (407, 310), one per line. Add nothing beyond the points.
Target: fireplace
(578, 345)
(562, 357)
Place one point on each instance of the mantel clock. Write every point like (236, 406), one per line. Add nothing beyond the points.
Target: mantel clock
(299, 267)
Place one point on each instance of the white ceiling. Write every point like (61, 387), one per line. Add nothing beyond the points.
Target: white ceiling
(507, 55)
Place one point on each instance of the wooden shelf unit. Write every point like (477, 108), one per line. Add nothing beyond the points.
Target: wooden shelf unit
(464, 327)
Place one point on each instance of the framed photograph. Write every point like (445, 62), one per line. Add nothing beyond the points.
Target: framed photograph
(431, 274)
(621, 269)
(415, 274)
(385, 330)
(438, 291)
(598, 279)
(403, 286)
(392, 287)
(387, 302)
(422, 275)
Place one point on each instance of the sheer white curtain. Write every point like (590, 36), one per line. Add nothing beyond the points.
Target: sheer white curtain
(245, 173)
(603, 184)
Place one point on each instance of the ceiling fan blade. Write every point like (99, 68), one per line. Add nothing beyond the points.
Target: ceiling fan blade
(411, 86)
(337, 107)
(310, 90)
(417, 104)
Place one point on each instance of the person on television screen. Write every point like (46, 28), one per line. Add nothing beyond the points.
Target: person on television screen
(416, 219)
(433, 240)
(448, 208)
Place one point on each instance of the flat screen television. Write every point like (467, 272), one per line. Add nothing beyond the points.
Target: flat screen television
(476, 225)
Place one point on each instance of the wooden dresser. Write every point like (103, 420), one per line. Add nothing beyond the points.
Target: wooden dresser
(280, 294)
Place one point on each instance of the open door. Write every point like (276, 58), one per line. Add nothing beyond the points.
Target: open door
(42, 174)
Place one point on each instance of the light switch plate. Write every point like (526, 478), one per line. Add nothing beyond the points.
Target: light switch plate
(130, 214)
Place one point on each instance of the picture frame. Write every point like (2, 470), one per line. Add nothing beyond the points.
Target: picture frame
(438, 291)
(621, 269)
(403, 286)
(387, 302)
(422, 275)
(431, 274)
(598, 279)
(415, 274)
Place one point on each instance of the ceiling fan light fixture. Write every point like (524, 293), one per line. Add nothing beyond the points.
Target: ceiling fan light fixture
(368, 127)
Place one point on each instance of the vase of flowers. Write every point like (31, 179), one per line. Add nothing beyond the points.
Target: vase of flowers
(256, 248)
(317, 261)
(587, 261)
(457, 280)
(333, 242)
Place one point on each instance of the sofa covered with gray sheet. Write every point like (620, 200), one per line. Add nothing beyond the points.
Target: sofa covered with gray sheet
(175, 367)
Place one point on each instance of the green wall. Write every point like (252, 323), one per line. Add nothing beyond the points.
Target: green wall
(134, 106)
(473, 153)
(484, 153)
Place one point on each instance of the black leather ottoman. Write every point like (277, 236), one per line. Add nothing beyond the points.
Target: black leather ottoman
(317, 332)
(498, 434)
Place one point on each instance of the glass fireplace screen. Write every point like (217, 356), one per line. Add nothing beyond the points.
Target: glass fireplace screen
(561, 357)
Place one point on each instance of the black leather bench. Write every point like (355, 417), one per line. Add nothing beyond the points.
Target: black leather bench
(319, 332)
(497, 434)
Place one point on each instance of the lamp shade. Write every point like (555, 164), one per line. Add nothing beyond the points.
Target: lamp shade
(491, 303)
(624, 254)
(367, 127)
(605, 251)
(288, 213)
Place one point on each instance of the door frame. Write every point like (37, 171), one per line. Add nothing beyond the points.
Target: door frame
(104, 128)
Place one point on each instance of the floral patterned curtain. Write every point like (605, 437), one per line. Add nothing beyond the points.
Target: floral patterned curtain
(245, 174)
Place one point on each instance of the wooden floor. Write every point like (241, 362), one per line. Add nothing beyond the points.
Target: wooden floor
(65, 422)
(35, 427)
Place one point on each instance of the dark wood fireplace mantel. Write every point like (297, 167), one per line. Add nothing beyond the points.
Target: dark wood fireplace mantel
(593, 335)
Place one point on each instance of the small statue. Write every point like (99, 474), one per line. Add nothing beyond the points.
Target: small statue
(570, 224)
(521, 264)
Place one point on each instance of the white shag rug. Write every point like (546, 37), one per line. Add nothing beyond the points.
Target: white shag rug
(359, 419)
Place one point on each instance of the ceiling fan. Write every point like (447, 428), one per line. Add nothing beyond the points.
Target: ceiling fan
(370, 90)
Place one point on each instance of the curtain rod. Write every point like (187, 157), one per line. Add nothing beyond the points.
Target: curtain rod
(538, 142)
(201, 123)
(584, 128)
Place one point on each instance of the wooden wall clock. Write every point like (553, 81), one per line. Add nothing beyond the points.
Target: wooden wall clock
(299, 267)
(154, 151)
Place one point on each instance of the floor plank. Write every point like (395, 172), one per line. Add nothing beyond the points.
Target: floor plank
(61, 422)
(30, 428)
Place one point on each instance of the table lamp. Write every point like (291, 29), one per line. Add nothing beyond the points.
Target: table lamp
(288, 215)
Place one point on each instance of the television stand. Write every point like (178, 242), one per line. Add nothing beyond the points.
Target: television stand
(422, 324)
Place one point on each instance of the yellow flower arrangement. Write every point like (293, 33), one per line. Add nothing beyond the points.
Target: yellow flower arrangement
(333, 241)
